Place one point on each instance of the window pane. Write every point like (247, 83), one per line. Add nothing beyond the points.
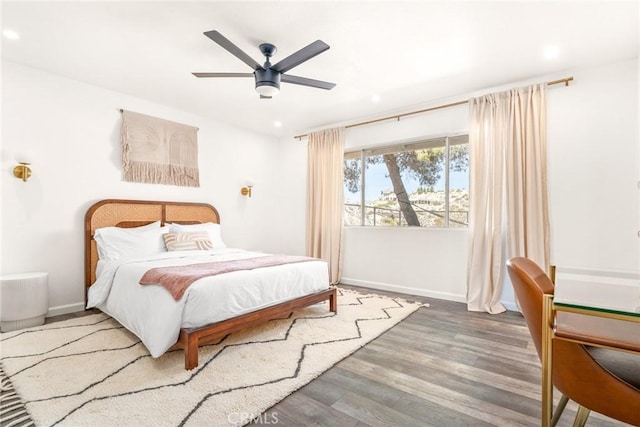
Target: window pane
(352, 191)
(406, 185)
(458, 184)
(381, 206)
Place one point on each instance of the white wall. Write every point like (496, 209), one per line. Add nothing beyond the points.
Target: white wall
(72, 131)
(287, 225)
(594, 169)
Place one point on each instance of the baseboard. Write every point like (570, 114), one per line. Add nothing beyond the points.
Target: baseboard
(65, 309)
(405, 290)
(511, 306)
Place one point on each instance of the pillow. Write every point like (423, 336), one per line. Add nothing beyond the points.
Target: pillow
(212, 228)
(150, 226)
(190, 241)
(117, 242)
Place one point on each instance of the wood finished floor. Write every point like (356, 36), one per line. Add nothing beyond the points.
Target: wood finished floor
(442, 366)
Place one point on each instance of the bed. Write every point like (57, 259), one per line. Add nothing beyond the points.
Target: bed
(200, 316)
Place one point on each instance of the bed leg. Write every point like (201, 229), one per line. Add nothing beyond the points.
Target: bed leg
(190, 353)
(333, 306)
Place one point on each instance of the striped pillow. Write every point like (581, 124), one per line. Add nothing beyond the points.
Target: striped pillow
(191, 241)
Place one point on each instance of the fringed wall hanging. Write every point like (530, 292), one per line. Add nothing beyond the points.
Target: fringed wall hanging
(159, 151)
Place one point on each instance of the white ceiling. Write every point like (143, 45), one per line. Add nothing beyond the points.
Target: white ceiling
(408, 53)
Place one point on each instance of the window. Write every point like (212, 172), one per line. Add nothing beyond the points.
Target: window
(421, 184)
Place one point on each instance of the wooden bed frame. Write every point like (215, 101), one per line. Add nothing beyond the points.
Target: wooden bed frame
(134, 213)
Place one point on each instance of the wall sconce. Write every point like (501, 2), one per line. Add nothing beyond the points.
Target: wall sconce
(22, 171)
(246, 190)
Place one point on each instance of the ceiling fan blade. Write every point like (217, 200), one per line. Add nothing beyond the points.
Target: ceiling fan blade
(297, 58)
(235, 50)
(288, 78)
(223, 74)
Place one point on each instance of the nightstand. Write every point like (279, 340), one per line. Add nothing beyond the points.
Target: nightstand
(24, 300)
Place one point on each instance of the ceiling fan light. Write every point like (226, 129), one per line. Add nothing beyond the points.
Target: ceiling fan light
(267, 89)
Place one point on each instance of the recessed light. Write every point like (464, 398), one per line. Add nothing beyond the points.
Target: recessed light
(551, 52)
(10, 34)
(277, 124)
(375, 98)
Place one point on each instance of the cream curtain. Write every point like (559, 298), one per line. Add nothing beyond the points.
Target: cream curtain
(509, 209)
(325, 158)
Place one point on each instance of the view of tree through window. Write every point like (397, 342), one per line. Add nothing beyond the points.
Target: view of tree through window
(422, 184)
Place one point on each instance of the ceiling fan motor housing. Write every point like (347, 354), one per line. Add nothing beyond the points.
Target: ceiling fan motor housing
(267, 77)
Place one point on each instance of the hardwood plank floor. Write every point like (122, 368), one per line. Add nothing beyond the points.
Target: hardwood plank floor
(442, 366)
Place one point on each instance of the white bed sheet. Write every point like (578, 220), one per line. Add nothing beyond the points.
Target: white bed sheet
(151, 313)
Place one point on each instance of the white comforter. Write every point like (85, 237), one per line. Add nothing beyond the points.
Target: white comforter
(152, 314)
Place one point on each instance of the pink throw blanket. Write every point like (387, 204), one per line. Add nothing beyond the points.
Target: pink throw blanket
(176, 279)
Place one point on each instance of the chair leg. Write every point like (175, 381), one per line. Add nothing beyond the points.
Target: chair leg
(559, 409)
(581, 417)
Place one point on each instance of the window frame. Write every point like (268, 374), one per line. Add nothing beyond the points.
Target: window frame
(406, 145)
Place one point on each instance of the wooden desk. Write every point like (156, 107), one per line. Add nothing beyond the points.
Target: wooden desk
(619, 330)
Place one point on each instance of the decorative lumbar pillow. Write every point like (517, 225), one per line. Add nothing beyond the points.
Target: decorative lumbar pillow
(190, 241)
(210, 227)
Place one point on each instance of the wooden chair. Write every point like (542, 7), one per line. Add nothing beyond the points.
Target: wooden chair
(597, 379)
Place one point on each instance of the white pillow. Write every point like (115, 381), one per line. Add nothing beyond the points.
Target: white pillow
(210, 227)
(116, 242)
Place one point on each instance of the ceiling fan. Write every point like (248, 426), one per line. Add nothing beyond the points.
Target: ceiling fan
(268, 77)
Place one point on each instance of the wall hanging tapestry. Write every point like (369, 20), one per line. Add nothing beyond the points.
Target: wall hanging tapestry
(159, 151)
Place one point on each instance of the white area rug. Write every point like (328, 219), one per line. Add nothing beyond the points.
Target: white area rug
(92, 372)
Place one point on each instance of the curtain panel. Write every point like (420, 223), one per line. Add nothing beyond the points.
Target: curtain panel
(325, 198)
(159, 151)
(509, 208)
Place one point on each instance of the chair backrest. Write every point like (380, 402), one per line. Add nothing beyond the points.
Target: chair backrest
(530, 283)
(575, 372)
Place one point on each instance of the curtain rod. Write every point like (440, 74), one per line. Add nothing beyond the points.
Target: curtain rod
(566, 81)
